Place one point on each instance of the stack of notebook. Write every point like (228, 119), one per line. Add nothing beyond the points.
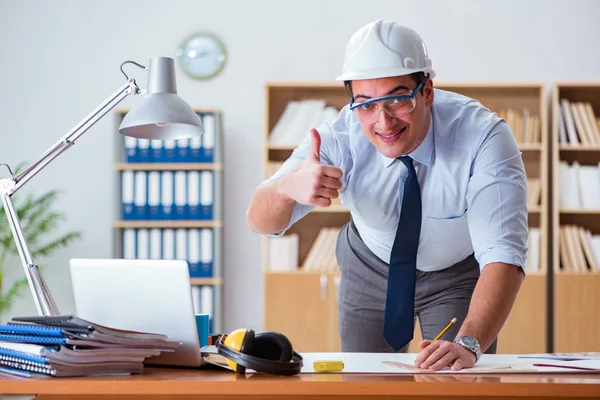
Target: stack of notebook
(67, 345)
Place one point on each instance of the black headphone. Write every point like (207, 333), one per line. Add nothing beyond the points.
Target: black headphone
(268, 352)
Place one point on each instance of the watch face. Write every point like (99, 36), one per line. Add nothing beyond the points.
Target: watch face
(202, 55)
(469, 341)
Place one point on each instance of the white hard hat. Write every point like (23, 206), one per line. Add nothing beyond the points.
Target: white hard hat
(382, 49)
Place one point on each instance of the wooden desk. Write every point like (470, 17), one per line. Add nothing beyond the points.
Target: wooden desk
(175, 384)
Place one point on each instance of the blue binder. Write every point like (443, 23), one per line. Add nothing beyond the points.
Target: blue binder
(209, 138)
(157, 151)
(143, 150)
(131, 155)
(183, 149)
(127, 195)
(207, 195)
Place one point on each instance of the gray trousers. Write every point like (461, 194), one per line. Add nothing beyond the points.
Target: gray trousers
(439, 296)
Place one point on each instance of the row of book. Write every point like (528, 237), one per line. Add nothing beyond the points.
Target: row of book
(579, 186)
(578, 124)
(524, 124)
(534, 192)
(68, 346)
(534, 244)
(283, 252)
(194, 245)
(198, 149)
(203, 299)
(298, 118)
(579, 249)
(167, 195)
(321, 256)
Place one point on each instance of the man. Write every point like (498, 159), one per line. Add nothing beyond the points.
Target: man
(436, 187)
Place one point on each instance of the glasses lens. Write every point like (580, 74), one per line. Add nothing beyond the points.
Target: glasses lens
(395, 108)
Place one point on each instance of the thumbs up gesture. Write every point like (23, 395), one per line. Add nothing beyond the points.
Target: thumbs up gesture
(313, 183)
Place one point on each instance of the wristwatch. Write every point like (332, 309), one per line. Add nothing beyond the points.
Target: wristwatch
(469, 343)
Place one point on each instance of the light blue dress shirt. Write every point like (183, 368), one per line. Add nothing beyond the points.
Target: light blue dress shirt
(472, 179)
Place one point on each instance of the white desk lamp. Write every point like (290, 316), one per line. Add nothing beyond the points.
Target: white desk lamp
(161, 115)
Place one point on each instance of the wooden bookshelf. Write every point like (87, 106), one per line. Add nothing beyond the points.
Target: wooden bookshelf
(575, 159)
(300, 304)
(289, 297)
(529, 313)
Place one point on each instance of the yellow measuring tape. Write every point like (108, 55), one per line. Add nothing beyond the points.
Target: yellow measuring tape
(328, 366)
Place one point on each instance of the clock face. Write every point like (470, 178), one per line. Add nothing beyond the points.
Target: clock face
(202, 56)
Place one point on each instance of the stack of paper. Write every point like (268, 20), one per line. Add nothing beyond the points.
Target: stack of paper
(70, 346)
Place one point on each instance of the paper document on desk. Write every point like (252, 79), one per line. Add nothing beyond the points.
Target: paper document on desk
(403, 363)
(210, 355)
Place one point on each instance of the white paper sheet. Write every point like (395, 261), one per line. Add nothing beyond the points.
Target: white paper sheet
(373, 363)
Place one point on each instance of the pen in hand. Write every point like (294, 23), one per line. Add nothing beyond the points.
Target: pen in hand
(452, 322)
(439, 335)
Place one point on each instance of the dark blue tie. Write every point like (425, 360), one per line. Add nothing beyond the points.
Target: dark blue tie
(398, 323)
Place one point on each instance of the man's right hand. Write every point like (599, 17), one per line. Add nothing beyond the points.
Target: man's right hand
(313, 183)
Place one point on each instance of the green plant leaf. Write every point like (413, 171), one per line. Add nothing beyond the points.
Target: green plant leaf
(6, 300)
(51, 247)
(41, 227)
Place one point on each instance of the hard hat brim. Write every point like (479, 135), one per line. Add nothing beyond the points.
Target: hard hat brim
(383, 73)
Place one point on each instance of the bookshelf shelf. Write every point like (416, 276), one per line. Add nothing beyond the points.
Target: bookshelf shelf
(566, 148)
(579, 211)
(520, 100)
(169, 167)
(578, 273)
(173, 224)
(530, 147)
(169, 207)
(576, 215)
(206, 281)
(282, 148)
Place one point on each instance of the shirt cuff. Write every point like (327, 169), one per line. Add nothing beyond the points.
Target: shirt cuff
(503, 254)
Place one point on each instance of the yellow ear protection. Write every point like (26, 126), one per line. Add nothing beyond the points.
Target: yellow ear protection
(268, 352)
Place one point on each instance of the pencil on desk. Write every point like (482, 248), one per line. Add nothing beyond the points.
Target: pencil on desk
(452, 322)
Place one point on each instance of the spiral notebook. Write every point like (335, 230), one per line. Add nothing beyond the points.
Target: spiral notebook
(68, 346)
(66, 370)
(72, 330)
(67, 355)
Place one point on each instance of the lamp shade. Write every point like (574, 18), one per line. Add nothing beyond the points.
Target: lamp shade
(162, 114)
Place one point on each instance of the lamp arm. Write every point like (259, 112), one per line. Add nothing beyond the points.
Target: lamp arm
(43, 299)
(69, 139)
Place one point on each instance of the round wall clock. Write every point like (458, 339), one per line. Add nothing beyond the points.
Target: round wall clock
(202, 55)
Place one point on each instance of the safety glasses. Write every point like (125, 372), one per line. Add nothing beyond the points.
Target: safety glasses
(395, 106)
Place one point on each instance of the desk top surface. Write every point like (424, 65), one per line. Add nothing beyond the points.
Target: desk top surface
(160, 381)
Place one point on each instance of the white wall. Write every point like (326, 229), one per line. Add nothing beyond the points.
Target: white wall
(61, 58)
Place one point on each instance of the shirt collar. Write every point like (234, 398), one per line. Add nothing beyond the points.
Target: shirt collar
(423, 154)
